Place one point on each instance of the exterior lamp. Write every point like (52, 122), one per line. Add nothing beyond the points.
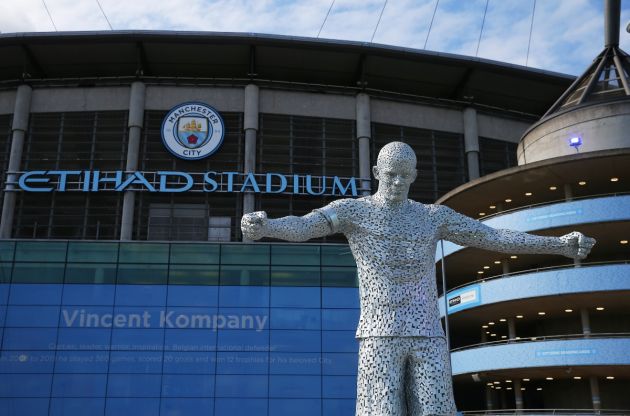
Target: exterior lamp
(575, 141)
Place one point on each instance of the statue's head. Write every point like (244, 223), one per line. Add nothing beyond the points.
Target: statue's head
(395, 170)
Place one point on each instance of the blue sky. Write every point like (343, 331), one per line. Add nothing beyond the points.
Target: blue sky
(567, 34)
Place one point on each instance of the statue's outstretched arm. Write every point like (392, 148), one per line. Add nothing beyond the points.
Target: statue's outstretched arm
(466, 231)
(256, 225)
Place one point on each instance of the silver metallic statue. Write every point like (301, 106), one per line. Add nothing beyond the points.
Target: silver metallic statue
(404, 368)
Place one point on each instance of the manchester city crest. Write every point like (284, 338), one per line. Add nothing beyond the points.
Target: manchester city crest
(192, 131)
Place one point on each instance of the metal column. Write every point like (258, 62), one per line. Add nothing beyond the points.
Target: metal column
(135, 124)
(471, 142)
(250, 124)
(21, 112)
(364, 134)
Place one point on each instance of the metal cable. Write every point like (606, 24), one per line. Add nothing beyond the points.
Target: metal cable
(483, 22)
(379, 21)
(431, 24)
(104, 15)
(49, 15)
(531, 28)
(326, 18)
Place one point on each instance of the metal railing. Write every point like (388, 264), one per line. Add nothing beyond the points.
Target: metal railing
(539, 269)
(545, 412)
(539, 338)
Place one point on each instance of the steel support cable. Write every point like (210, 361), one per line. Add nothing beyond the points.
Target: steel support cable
(326, 18)
(431, 24)
(49, 15)
(379, 21)
(104, 15)
(483, 22)
(531, 29)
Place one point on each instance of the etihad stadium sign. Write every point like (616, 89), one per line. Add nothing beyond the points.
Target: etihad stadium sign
(177, 182)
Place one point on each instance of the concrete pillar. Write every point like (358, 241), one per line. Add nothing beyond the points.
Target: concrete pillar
(364, 135)
(586, 322)
(484, 336)
(511, 328)
(250, 124)
(471, 142)
(597, 404)
(21, 113)
(518, 394)
(135, 124)
(505, 266)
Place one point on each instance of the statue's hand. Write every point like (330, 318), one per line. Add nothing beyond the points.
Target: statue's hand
(577, 245)
(254, 225)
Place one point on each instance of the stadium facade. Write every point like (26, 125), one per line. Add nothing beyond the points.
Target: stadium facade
(126, 286)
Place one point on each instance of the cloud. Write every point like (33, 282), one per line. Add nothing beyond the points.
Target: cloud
(567, 34)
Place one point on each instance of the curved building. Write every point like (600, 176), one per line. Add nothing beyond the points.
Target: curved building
(125, 286)
(546, 332)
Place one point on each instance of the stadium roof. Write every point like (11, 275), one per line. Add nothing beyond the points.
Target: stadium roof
(242, 57)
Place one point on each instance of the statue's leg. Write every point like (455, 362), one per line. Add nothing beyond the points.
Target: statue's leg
(428, 383)
(380, 390)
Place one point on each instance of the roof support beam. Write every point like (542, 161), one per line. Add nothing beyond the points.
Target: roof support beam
(252, 62)
(360, 72)
(142, 63)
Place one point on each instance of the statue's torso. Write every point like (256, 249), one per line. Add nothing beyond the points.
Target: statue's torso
(394, 251)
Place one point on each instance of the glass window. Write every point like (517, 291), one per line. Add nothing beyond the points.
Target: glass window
(71, 406)
(296, 297)
(339, 341)
(241, 386)
(193, 274)
(143, 253)
(337, 255)
(40, 251)
(300, 255)
(189, 362)
(242, 340)
(90, 273)
(295, 341)
(340, 277)
(93, 252)
(188, 385)
(146, 362)
(295, 276)
(142, 274)
(5, 272)
(339, 387)
(134, 385)
(286, 407)
(7, 248)
(343, 363)
(245, 254)
(123, 406)
(79, 385)
(295, 363)
(244, 296)
(293, 318)
(81, 362)
(188, 406)
(195, 253)
(242, 362)
(38, 273)
(245, 275)
(295, 386)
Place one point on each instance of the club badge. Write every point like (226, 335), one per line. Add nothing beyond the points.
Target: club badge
(193, 131)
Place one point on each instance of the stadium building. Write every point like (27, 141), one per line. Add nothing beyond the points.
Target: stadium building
(129, 158)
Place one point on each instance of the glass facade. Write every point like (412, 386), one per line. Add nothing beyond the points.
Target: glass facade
(109, 328)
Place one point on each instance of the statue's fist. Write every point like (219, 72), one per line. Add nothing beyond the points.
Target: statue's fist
(577, 245)
(254, 225)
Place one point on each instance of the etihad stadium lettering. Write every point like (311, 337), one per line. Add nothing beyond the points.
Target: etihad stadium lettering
(177, 182)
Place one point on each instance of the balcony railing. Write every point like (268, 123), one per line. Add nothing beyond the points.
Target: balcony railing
(546, 338)
(546, 412)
